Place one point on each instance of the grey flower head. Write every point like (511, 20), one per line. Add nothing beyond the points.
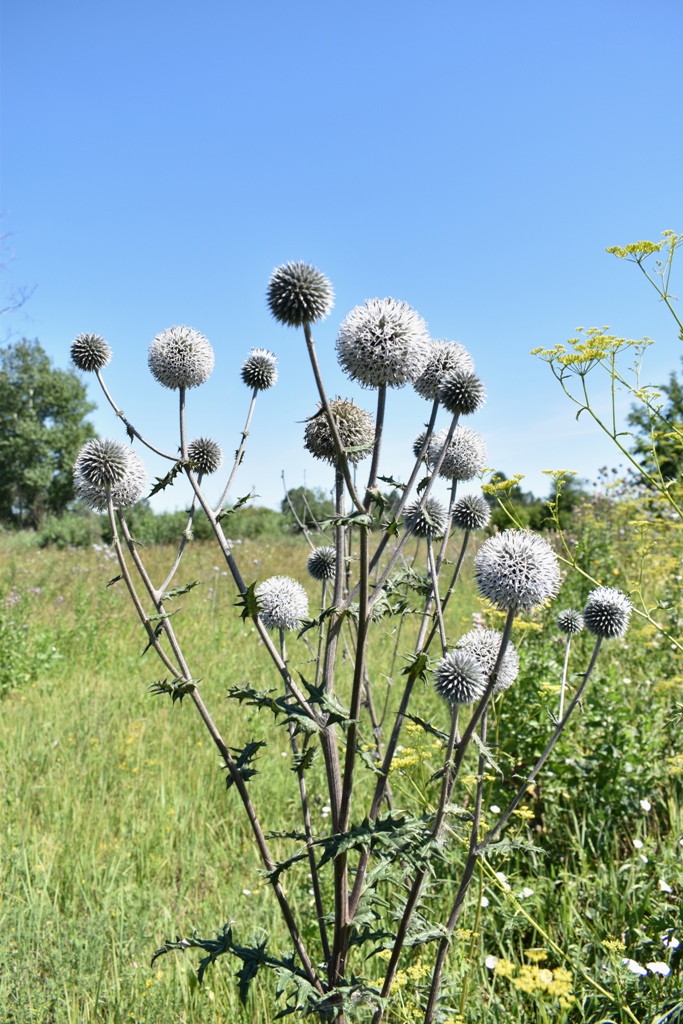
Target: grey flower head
(418, 444)
(383, 342)
(462, 392)
(517, 569)
(465, 456)
(259, 370)
(484, 645)
(471, 512)
(570, 622)
(299, 293)
(355, 426)
(282, 602)
(430, 521)
(104, 463)
(206, 455)
(322, 563)
(607, 612)
(90, 352)
(459, 678)
(180, 357)
(444, 357)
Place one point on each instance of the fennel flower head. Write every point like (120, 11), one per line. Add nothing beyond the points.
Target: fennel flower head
(299, 293)
(355, 426)
(104, 465)
(466, 454)
(282, 602)
(383, 342)
(517, 570)
(180, 357)
(484, 645)
(443, 357)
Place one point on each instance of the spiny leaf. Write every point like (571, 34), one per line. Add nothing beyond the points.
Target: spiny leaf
(293, 714)
(327, 702)
(225, 513)
(312, 623)
(417, 668)
(428, 727)
(243, 760)
(304, 760)
(422, 484)
(162, 482)
(248, 602)
(177, 688)
(392, 483)
(162, 615)
(115, 579)
(177, 591)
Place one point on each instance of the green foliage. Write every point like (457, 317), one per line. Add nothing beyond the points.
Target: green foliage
(526, 510)
(304, 506)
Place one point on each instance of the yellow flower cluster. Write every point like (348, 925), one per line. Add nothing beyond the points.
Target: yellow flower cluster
(539, 981)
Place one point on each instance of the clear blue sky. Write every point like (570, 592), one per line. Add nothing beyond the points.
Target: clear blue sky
(159, 159)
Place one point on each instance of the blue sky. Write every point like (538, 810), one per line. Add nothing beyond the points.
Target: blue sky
(160, 159)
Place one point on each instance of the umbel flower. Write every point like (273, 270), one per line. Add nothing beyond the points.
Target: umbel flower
(517, 569)
(383, 342)
(104, 463)
(282, 602)
(322, 563)
(471, 512)
(299, 293)
(459, 678)
(443, 357)
(570, 622)
(607, 612)
(484, 645)
(259, 370)
(180, 357)
(355, 426)
(90, 352)
(429, 521)
(206, 455)
(465, 456)
(462, 392)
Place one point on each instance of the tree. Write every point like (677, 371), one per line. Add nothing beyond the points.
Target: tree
(310, 506)
(42, 428)
(658, 440)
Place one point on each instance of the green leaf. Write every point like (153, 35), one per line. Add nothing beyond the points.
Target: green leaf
(177, 591)
(392, 483)
(177, 688)
(225, 513)
(428, 727)
(292, 713)
(243, 760)
(317, 622)
(162, 482)
(115, 579)
(304, 760)
(248, 602)
(417, 668)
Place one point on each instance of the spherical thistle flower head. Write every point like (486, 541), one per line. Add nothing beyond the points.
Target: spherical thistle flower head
(607, 612)
(259, 370)
(429, 521)
(459, 678)
(517, 569)
(322, 563)
(106, 463)
(484, 645)
(471, 512)
(383, 342)
(206, 455)
(570, 622)
(299, 293)
(465, 456)
(282, 602)
(418, 444)
(180, 357)
(355, 426)
(444, 357)
(462, 392)
(90, 352)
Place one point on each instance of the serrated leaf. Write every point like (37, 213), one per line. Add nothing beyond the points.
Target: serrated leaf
(243, 759)
(248, 602)
(304, 760)
(422, 484)
(312, 623)
(392, 483)
(162, 482)
(177, 591)
(177, 688)
(225, 513)
(293, 714)
(161, 616)
(417, 668)
(428, 727)
(115, 579)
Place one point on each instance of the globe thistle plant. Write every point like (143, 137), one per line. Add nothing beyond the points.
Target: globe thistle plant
(471, 512)
(461, 392)
(206, 455)
(299, 293)
(90, 352)
(356, 430)
(517, 570)
(180, 357)
(429, 521)
(459, 678)
(104, 464)
(443, 358)
(607, 612)
(570, 622)
(259, 370)
(322, 563)
(484, 645)
(383, 343)
(418, 444)
(466, 454)
(282, 602)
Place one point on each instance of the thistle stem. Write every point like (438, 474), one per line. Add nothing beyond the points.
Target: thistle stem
(239, 454)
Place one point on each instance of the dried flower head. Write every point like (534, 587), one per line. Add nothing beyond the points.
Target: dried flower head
(322, 563)
(90, 352)
(471, 512)
(299, 293)
(459, 678)
(104, 463)
(517, 569)
(282, 602)
(607, 612)
(418, 444)
(259, 370)
(429, 521)
(465, 456)
(383, 342)
(484, 645)
(461, 392)
(180, 357)
(444, 357)
(206, 455)
(355, 426)
(570, 622)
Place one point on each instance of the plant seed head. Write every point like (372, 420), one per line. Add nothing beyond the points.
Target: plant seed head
(444, 357)
(356, 430)
(383, 342)
(180, 357)
(259, 370)
(283, 603)
(471, 512)
(90, 352)
(607, 612)
(517, 569)
(206, 455)
(321, 563)
(459, 678)
(484, 645)
(570, 622)
(429, 521)
(299, 293)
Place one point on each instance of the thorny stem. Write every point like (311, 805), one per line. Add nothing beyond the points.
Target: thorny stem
(132, 432)
(239, 454)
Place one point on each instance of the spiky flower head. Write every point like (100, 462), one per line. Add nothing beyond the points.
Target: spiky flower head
(282, 602)
(259, 370)
(444, 357)
(206, 455)
(355, 426)
(105, 463)
(484, 645)
(90, 352)
(466, 454)
(299, 293)
(459, 678)
(429, 521)
(570, 622)
(180, 357)
(418, 444)
(517, 569)
(322, 563)
(383, 342)
(607, 612)
(462, 392)
(471, 512)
